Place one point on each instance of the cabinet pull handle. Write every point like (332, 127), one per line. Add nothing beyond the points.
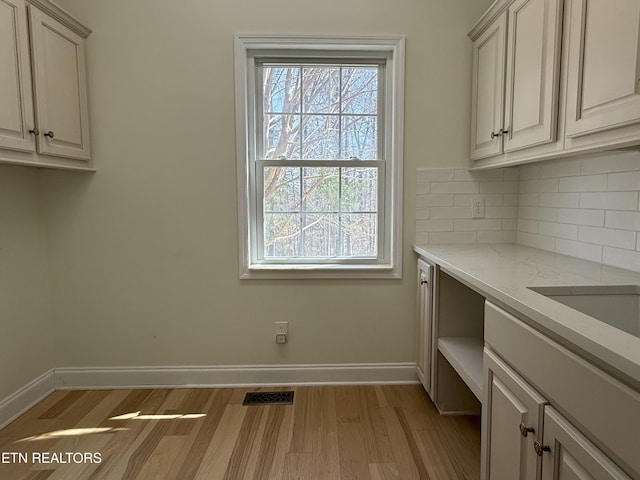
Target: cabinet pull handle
(524, 430)
(35, 131)
(49, 134)
(424, 282)
(539, 448)
(500, 133)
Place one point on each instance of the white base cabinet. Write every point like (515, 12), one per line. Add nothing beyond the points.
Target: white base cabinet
(597, 436)
(424, 365)
(568, 455)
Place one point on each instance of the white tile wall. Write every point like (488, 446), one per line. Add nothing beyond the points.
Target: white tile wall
(587, 207)
(443, 206)
(593, 213)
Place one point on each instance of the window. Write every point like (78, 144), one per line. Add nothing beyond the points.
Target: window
(319, 156)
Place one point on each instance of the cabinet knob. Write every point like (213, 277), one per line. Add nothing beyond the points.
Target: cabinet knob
(49, 134)
(524, 430)
(539, 448)
(35, 131)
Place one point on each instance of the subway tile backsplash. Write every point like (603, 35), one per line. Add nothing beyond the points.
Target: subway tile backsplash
(443, 206)
(587, 207)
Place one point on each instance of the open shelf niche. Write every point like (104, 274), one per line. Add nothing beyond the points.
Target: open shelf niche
(460, 333)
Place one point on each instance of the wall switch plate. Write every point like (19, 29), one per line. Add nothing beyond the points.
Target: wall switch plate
(477, 207)
(281, 338)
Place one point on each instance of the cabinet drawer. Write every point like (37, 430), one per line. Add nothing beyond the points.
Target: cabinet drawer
(607, 411)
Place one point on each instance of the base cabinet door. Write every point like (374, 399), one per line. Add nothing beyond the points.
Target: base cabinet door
(511, 423)
(425, 315)
(568, 455)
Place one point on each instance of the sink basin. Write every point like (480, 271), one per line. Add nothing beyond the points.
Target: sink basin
(618, 306)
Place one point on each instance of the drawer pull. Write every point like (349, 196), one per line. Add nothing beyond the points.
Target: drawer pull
(524, 430)
(540, 449)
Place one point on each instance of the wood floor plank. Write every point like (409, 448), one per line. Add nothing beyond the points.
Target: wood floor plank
(301, 441)
(283, 442)
(384, 471)
(215, 462)
(298, 466)
(244, 445)
(161, 459)
(192, 462)
(330, 432)
(326, 455)
(354, 464)
(64, 404)
(376, 437)
(400, 446)
(266, 453)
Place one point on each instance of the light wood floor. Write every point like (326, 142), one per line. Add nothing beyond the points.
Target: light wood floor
(342, 432)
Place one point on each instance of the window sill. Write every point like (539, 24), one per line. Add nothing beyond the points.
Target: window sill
(326, 271)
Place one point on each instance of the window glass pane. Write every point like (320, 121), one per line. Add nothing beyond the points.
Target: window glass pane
(360, 90)
(359, 234)
(359, 137)
(281, 89)
(281, 137)
(320, 90)
(321, 189)
(281, 234)
(320, 137)
(282, 189)
(359, 190)
(320, 237)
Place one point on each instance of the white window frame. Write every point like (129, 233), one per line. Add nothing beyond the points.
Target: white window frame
(390, 48)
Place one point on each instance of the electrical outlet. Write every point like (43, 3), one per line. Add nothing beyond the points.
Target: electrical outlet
(477, 207)
(282, 330)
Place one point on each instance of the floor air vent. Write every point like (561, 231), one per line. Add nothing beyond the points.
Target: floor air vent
(268, 398)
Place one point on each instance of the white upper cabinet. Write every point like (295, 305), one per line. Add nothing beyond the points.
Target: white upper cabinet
(44, 119)
(571, 80)
(516, 65)
(604, 65)
(16, 105)
(533, 69)
(60, 88)
(487, 106)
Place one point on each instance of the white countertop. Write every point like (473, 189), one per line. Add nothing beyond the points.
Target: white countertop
(502, 273)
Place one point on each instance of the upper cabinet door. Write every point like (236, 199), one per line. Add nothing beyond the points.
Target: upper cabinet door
(604, 66)
(60, 88)
(487, 91)
(533, 69)
(16, 106)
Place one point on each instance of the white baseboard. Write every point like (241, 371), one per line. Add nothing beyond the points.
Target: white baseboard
(234, 376)
(19, 402)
